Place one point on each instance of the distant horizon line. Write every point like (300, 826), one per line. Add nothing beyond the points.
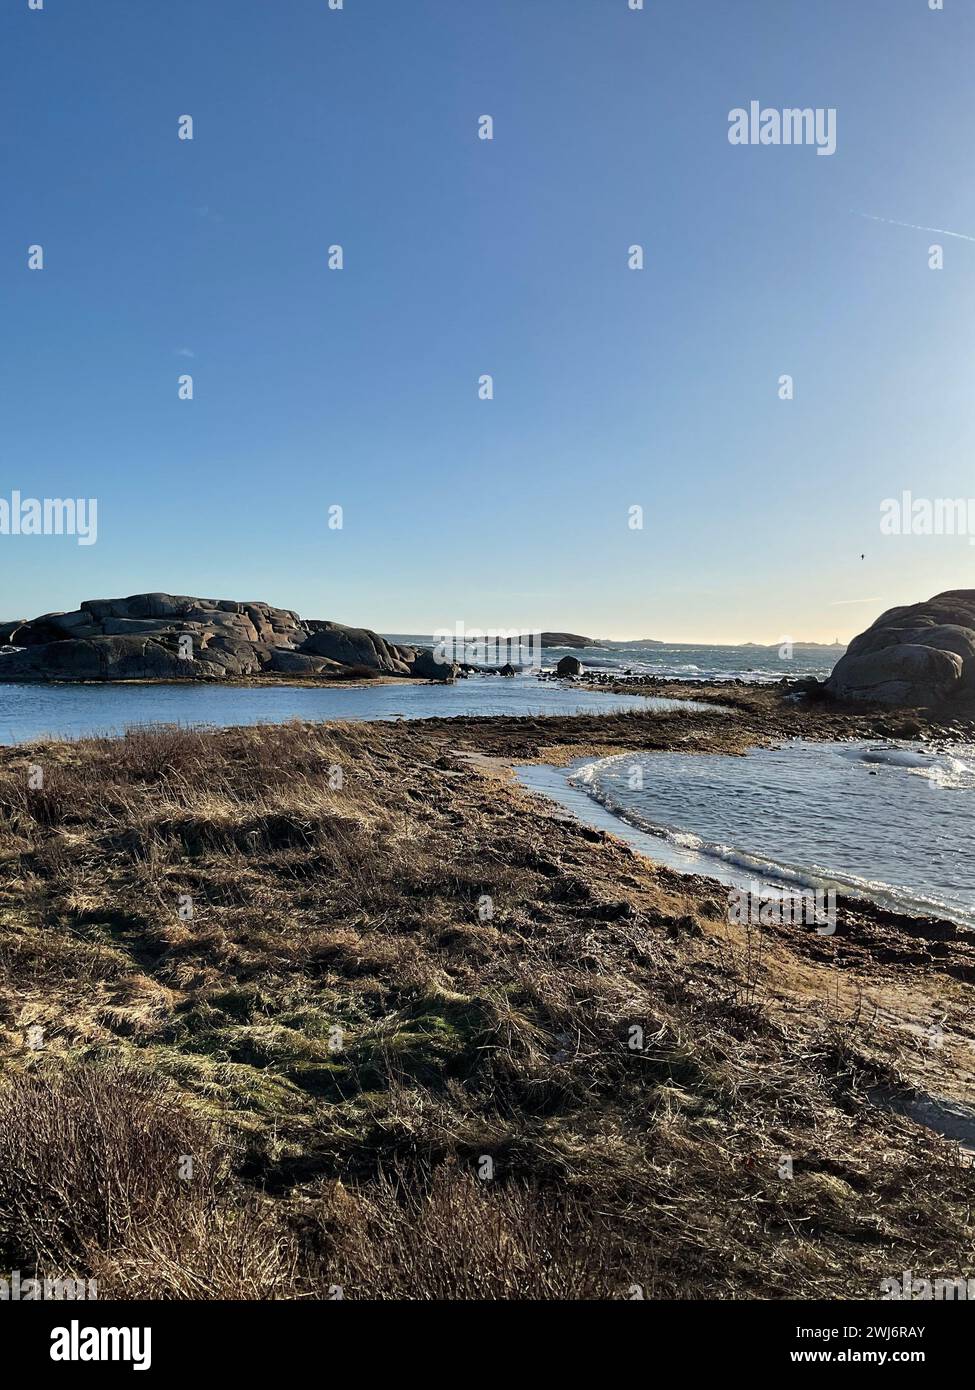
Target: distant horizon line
(643, 641)
(390, 631)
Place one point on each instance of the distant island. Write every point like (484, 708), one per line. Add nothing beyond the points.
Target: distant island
(575, 641)
(564, 639)
(621, 644)
(806, 646)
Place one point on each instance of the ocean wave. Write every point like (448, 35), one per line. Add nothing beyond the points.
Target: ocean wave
(593, 779)
(689, 672)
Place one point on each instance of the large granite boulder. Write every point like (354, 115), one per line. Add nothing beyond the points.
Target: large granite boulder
(429, 666)
(354, 646)
(920, 654)
(899, 675)
(569, 666)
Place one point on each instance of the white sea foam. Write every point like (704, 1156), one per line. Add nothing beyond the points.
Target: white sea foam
(946, 770)
(794, 817)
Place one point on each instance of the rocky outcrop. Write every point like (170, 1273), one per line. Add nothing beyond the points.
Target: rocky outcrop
(176, 637)
(355, 646)
(428, 665)
(917, 655)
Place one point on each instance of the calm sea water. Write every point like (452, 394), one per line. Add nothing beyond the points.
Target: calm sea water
(687, 662)
(891, 822)
(71, 711)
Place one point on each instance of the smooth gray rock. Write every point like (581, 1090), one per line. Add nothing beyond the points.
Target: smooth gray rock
(886, 663)
(138, 606)
(96, 658)
(569, 666)
(426, 665)
(352, 646)
(903, 674)
(947, 637)
(133, 627)
(72, 624)
(291, 663)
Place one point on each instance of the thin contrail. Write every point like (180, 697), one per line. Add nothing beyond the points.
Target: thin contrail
(913, 226)
(838, 602)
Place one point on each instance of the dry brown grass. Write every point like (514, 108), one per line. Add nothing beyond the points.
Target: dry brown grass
(88, 1157)
(342, 1036)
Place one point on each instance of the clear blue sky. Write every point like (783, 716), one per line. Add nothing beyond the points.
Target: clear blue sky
(463, 257)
